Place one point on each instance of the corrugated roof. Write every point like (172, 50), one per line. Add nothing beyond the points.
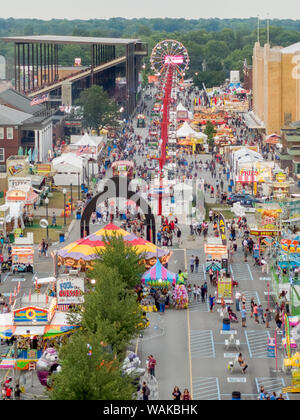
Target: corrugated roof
(19, 101)
(58, 39)
(10, 116)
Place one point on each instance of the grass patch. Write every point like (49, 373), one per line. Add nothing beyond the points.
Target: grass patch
(39, 234)
(57, 201)
(227, 213)
(53, 232)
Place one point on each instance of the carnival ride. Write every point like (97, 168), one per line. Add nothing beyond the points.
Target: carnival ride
(170, 52)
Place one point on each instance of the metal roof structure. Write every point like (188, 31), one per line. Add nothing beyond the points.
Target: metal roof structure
(19, 101)
(78, 40)
(10, 116)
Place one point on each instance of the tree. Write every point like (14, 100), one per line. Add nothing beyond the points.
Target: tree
(116, 253)
(111, 311)
(98, 110)
(89, 372)
(210, 132)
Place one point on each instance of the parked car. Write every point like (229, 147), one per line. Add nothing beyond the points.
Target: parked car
(246, 200)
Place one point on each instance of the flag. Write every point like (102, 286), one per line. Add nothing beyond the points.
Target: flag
(19, 287)
(39, 100)
(199, 101)
(47, 299)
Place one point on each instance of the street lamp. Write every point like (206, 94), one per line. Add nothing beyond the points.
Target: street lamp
(64, 193)
(78, 185)
(71, 198)
(47, 203)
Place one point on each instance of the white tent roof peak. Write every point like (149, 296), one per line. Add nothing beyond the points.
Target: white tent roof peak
(69, 158)
(187, 131)
(88, 140)
(180, 107)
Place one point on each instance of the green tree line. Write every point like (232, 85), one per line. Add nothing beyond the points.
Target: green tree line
(215, 46)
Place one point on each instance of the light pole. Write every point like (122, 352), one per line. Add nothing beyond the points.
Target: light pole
(71, 198)
(78, 186)
(64, 193)
(47, 203)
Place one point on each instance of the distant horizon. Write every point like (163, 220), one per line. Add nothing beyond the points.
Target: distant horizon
(133, 9)
(149, 18)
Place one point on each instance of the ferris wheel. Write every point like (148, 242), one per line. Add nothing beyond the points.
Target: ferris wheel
(170, 52)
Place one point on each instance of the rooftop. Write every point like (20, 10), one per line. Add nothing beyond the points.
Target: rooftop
(17, 100)
(59, 39)
(10, 116)
(292, 49)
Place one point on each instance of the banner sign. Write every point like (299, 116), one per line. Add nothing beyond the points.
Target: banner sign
(222, 229)
(70, 290)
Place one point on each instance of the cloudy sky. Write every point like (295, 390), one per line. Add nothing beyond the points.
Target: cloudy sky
(78, 9)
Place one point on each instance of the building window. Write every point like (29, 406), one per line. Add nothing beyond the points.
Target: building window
(9, 133)
(2, 155)
(1, 133)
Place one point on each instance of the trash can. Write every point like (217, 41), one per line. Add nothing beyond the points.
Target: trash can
(11, 238)
(226, 324)
(236, 396)
(61, 237)
(229, 189)
(78, 215)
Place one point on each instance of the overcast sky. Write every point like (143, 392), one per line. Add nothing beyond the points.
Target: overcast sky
(86, 9)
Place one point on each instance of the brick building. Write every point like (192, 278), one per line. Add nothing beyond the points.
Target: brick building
(24, 125)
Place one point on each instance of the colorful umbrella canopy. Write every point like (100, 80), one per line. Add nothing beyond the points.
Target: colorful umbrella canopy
(87, 248)
(158, 272)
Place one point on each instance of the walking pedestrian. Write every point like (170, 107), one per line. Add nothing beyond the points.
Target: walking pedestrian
(186, 395)
(211, 303)
(176, 394)
(237, 301)
(152, 364)
(244, 316)
(197, 262)
(195, 292)
(145, 391)
(260, 312)
(192, 263)
(268, 317)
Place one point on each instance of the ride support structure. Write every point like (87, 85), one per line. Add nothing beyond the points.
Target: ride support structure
(165, 129)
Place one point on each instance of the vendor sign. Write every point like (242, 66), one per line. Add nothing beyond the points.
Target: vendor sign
(22, 184)
(22, 255)
(222, 229)
(70, 290)
(44, 169)
(256, 232)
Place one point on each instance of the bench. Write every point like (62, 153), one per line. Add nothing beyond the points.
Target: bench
(232, 342)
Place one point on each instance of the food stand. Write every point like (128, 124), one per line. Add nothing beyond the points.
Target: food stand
(224, 288)
(33, 320)
(215, 254)
(141, 121)
(123, 169)
(22, 258)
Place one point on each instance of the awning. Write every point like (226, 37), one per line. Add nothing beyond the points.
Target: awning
(28, 331)
(246, 179)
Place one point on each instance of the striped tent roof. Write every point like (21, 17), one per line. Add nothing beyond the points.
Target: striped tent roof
(87, 248)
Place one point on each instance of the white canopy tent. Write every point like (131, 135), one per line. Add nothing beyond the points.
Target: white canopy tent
(187, 131)
(245, 155)
(67, 167)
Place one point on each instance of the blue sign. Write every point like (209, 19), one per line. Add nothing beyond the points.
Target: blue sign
(271, 348)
